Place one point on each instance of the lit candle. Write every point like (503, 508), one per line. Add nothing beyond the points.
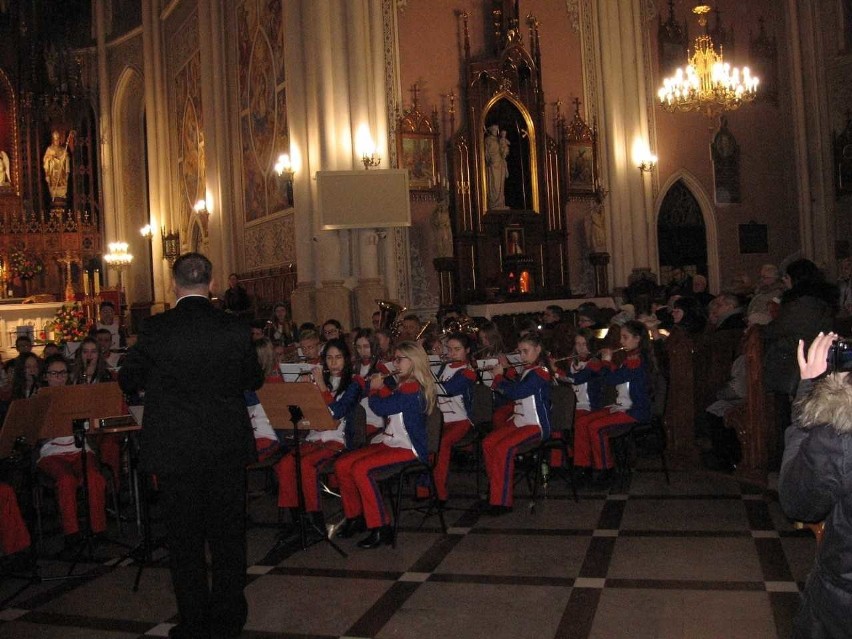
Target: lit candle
(86, 283)
(97, 282)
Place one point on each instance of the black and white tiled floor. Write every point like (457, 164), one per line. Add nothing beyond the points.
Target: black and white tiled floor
(706, 556)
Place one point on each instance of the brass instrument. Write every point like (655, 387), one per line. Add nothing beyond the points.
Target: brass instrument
(390, 317)
(423, 330)
(460, 325)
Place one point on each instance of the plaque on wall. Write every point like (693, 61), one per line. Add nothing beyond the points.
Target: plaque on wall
(754, 238)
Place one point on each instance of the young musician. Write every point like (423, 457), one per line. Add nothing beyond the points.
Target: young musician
(60, 460)
(384, 338)
(366, 364)
(309, 344)
(633, 382)
(404, 439)
(583, 371)
(342, 392)
(280, 328)
(25, 376)
(90, 367)
(530, 392)
(490, 346)
(455, 398)
(265, 439)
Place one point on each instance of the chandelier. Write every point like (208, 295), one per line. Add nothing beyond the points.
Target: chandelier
(709, 84)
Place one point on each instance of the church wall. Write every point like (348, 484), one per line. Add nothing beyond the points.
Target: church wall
(436, 64)
(765, 135)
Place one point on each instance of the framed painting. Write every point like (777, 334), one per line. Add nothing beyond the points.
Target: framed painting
(514, 242)
(581, 167)
(8, 138)
(418, 155)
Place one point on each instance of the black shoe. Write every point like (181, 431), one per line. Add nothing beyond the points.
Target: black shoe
(351, 527)
(603, 478)
(377, 537)
(497, 511)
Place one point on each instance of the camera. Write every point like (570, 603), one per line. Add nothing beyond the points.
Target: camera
(840, 356)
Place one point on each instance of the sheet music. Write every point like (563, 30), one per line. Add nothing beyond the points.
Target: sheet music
(482, 365)
(514, 358)
(296, 372)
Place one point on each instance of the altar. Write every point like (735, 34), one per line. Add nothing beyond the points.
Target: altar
(534, 306)
(14, 314)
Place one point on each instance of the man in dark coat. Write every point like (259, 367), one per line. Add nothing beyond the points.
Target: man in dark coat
(193, 363)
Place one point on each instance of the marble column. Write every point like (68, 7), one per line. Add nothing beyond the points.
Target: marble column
(621, 86)
(370, 286)
(112, 225)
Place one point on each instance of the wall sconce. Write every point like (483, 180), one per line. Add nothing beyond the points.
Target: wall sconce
(147, 232)
(200, 209)
(367, 148)
(284, 168)
(171, 245)
(648, 163)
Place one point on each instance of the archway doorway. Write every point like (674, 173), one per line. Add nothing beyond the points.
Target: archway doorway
(681, 233)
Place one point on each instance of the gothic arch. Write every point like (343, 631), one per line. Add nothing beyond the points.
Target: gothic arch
(708, 213)
(131, 179)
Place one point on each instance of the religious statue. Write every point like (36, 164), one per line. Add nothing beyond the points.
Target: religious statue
(496, 152)
(595, 229)
(5, 170)
(56, 168)
(441, 222)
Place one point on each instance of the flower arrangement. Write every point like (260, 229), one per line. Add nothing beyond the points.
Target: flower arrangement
(24, 265)
(70, 323)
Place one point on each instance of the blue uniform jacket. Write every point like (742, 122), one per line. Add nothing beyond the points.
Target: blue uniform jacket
(535, 383)
(407, 399)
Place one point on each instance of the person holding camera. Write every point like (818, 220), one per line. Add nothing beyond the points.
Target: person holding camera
(816, 483)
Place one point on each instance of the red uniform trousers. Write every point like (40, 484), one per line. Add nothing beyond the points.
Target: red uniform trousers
(591, 437)
(452, 434)
(358, 489)
(498, 449)
(265, 447)
(14, 536)
(313, 455)
(109, 450)
(502, 417)
(67, 471)
(556, 457)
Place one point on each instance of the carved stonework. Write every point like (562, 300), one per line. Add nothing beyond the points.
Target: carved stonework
(264, 131)
(270, 243)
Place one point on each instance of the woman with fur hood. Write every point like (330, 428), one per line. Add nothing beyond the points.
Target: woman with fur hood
(816, 485)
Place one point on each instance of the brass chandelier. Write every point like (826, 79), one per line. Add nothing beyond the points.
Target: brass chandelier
(709, 84)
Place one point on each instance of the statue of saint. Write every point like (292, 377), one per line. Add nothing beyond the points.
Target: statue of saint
(5, 170)
(56, 168)
(595, 228)
(441, 223)
(496, 152)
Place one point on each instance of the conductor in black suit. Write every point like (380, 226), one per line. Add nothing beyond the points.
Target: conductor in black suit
(194, 362)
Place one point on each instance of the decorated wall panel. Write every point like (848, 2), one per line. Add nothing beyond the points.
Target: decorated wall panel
(264, 133)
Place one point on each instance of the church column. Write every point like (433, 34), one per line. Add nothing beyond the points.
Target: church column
(813, 134)
(370, 287)
(219, 194)
(622, 112)
(113, 227)
(155, 113)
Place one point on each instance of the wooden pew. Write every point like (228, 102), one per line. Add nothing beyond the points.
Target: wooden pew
(754, 420)
(680, 408)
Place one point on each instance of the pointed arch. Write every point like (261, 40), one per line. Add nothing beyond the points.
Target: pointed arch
(708, 212)
(130, 167)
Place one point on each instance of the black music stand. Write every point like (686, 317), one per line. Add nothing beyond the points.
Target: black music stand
(75, 409)
(303, 405)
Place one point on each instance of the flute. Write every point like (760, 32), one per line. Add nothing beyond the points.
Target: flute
(595, 354)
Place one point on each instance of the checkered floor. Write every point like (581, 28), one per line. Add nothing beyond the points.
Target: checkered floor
(707, 556)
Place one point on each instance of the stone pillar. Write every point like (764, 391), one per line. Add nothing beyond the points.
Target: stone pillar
(600, 262)
(112, 225)
(303, 303)
(370, 286)
(332, 302)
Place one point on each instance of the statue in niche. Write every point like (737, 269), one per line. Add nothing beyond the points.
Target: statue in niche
(595, 229)
(496, 152)
(5, 170)
(726, 165)
(441, 223)
(57, 167)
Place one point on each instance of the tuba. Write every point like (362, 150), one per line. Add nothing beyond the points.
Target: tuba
(391, 316)
(460, 325)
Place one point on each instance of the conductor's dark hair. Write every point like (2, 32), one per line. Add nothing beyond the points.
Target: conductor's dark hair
(192, 270)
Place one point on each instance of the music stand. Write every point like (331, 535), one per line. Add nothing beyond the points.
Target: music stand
(303, 405)
(72, 410)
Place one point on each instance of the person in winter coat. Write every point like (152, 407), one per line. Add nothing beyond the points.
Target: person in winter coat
(816, 485)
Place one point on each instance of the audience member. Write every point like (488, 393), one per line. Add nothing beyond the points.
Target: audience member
(726, 312)
(699, 291)
(236, 299)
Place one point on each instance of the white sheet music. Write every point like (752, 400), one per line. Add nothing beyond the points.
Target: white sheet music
(296, 372)
(514, 358)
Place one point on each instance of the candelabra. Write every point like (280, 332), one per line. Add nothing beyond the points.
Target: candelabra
(118, 259)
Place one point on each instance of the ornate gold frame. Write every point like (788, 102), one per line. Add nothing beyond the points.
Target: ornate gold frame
(8, 92)
(413, 128)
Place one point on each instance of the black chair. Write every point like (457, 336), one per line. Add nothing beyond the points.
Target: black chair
(644, 436)
(416, 468)
(535, 457)
(482, 409)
